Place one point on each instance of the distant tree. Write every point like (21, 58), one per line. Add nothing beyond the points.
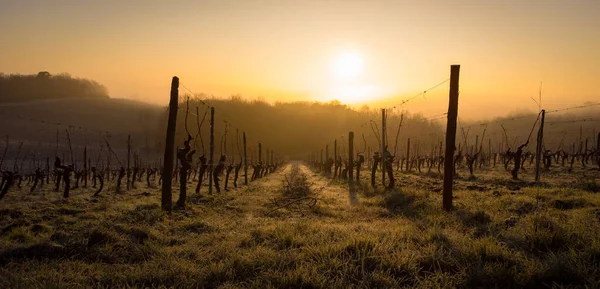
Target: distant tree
(43, 74)
(236, 98)
(16, 87)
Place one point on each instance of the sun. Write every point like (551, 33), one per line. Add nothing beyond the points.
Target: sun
(348, 83)
(347, 65)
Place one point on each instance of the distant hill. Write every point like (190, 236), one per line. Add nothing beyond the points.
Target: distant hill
(43, 111)
(43, 86)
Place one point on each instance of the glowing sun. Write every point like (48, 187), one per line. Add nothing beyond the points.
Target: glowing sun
(347, 65)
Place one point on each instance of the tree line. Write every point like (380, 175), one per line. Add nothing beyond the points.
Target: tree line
(43, 86)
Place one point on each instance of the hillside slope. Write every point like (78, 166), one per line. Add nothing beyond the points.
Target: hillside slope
(88, 121)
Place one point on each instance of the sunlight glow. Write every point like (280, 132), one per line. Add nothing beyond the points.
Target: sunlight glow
(354, 94)
(347, 65)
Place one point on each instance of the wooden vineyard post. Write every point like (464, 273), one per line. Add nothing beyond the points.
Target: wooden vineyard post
(16, 160)
(538, 150)
(451, 137)
(268, 159)
(351, 187)
(335, 165)
(489, 151)
(108, 158)
(89, 166)
(383, 146)
(267, 153)
(594, 135)
(148, 150)
(408, 155)
(474, 149)
(351, 157)
(586, 144)
(70, 149)
(245, 160)
(416, 153)
(260, 153)
(321, 156)
(166, 196)
(85, 167)
(580, 138)
(260, 163)
(499, 156)
(598, 150)
(212, 150)
(128, 161)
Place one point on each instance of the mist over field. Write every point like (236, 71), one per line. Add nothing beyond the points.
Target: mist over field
(290, 126)
(299, 144)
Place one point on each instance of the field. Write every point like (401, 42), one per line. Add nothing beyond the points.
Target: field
(502, 233)
(300, 144)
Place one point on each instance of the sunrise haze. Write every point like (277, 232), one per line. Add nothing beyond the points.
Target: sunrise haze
(354, 51)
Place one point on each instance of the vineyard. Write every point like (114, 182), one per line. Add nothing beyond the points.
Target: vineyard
(214, 193)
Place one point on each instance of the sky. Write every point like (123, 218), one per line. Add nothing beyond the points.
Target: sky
(354, 51)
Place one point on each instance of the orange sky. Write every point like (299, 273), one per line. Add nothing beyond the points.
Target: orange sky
(284, 50)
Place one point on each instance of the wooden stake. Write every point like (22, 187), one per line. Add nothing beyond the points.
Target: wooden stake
(108, 158)
(451, 137)
(489, 151)
(260, 153)
(408, 155)
(383, 136)
(166, 197)
(538, 153)
(580, 138)
(245, 161)
(128, 161)
(598, 150)
(70, 148)
(85, 167)
(335, 165)
(321, 157)
(212, 150)
(351, 167)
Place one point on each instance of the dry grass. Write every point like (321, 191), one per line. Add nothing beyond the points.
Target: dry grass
(501, 234)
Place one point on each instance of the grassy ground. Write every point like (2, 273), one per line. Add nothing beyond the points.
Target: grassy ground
(501, 234)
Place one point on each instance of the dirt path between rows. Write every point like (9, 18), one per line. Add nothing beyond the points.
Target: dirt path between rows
(246, 208)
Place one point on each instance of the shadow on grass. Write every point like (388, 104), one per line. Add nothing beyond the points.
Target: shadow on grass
(399, 203)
